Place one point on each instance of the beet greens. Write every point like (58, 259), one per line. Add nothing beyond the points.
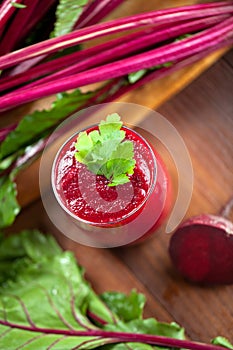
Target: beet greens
(54, 305)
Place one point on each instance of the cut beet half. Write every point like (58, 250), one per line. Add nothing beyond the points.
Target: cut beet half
(201, 249)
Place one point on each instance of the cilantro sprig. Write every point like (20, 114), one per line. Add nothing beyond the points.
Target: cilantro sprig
(105, 152)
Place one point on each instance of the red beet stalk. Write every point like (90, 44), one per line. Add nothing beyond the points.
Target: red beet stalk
(13, 34)
(41, 9)
(160, 19)
(6, 11)
(95, 11)
(162, 72)
(64, 61)
(118, 87)
(168, 53)
(111, 51)
(119, 337)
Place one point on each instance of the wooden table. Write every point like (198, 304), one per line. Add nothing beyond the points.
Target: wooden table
(203, 115)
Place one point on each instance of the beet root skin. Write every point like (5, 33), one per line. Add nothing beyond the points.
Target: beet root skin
(201, 249)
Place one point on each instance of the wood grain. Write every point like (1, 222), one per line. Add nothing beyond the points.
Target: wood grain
(203, 114)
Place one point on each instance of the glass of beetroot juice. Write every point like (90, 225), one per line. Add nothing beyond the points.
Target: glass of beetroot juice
(111, 185)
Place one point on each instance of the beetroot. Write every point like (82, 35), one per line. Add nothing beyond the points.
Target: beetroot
(202, 250)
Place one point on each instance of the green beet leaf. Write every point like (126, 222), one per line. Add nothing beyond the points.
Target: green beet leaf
(126, 307)
(44, 288)
(9, 207)
(129, 346)
(44, 297)
(135, 76)
(46, 303)
(19, 142)
(33, 126)
(147, 326)
(221, 341)
(67, 13)
(17, 5)
(31, 244)
(6, 162)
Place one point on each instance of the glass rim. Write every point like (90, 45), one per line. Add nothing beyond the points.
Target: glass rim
(152, 183)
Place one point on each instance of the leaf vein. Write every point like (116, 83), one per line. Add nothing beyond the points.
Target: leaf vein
(5, 332)
(66, 323)
(55, 342)
(74, 313)
(3, 310)
(25, 310)
(30, 341)
(86, 342)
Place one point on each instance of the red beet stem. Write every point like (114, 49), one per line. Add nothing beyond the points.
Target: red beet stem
(61, 62)
(111, 51)
(13, 34)
(6, 11)
(162, 72)
(5, 131)
(168, 53)
(42, 8)
(120, 337)
(160, 19)
(95, 11)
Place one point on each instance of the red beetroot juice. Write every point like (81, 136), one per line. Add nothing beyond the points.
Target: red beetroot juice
(139, 207)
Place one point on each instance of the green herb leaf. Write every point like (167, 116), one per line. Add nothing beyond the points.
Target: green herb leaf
(67, 13)
(9, 207)
(105, 153)
(17, 5)
(112, 125)
(33, 126)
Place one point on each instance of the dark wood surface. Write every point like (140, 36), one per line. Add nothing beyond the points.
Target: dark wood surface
(203, 115)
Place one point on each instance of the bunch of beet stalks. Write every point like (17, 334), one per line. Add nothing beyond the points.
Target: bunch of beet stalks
(147, 40)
